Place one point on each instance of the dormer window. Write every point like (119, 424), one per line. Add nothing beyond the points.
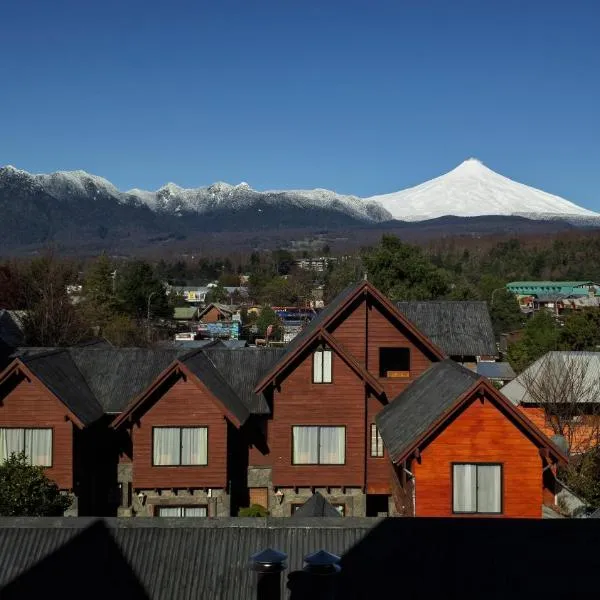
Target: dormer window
(322, 363)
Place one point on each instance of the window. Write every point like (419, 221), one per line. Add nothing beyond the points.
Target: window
(319, 445)
(477, 488)
(182, 446)
(36, 443)
(376, 442)
(394, 362)
(182, 511)
(322, 360)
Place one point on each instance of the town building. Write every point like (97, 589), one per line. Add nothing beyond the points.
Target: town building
(205, 431)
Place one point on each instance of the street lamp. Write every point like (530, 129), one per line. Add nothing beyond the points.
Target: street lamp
(493, 292)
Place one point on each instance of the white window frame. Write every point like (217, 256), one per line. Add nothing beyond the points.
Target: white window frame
(476, 488)
(322, 367)
(181, 430)
(377, 450)
(182, 510)
(318, 451)
(25, 431)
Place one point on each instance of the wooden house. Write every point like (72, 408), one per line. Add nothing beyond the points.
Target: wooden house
(460, 448)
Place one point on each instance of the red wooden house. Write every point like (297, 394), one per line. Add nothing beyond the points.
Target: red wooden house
(460, 448)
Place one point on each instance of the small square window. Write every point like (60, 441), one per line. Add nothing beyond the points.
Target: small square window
(394, 362)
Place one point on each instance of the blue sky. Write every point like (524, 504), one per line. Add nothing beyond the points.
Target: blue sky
(362, 97)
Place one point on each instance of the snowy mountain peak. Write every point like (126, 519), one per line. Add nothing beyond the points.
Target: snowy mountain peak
(472, 189)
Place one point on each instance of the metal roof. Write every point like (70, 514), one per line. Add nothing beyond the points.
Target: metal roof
(208, 559)
(496, 370)
(459, 328)
(551, 366)
(412, 413)
(549, 283)
(11, 329)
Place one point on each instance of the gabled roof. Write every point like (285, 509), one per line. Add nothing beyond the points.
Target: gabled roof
(426, 405)
(319, 324)
(460, 328)
(224, 309)
(550, 366)
(56, 370)
(316, 506)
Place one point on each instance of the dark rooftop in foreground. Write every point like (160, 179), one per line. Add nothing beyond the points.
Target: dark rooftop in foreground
(191, 559)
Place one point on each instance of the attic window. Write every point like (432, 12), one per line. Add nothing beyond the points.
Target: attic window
(394, 362)
(322, 365)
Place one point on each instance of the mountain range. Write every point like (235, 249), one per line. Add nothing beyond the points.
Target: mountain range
(76, 208)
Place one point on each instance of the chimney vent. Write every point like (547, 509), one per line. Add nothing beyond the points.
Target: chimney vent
(268, 565)
(322, 563)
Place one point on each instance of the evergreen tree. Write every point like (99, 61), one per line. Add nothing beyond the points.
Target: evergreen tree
(25, 491)
(138, 288)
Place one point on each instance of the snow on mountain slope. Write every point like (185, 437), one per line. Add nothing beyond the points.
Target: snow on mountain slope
(220, 197)
(472, 189)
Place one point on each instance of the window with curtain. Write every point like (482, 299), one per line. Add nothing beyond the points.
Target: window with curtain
(182, 511)
(180, 446)
(376, 442)
(322, 365)
(318, 445)
(35, 442)
(477, 488)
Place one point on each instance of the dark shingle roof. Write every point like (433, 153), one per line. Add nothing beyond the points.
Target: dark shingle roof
(460, 328)
(418, 407)
(316, 506)
(206, 559)
(61, 376)
(242, 368)
(199, 363)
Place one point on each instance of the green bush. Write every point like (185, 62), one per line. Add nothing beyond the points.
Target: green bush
(256, 510)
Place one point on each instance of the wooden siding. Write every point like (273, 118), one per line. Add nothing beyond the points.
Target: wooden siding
(30, 404)
(184, 404)
(301, 402)
(378, 469)
(383, 333)
(212, 316)
(350, 332)
(481, 433)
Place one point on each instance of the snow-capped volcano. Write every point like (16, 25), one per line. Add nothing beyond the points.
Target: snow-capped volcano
(472, 189)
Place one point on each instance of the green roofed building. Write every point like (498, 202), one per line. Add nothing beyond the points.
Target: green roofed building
(553, 288)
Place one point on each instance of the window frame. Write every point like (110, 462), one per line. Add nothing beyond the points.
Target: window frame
(322, 350)
(157, 508)
(408, 371)
(378, 439)
(477, 465)
(50, 429)
(318, 464)
(180, 427)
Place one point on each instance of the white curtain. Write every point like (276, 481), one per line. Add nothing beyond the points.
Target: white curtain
(38, 446)
(195, 511)
(465, 488)
(305, 445)
(11, 440)
(489, 488)
(167, 446)
(376, 442)
(332, 449)
(194, 446)
(327, 360)
(170, 511)
(318, 367)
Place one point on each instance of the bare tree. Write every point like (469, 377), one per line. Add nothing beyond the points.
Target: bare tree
(51, 318)
(566, 386)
